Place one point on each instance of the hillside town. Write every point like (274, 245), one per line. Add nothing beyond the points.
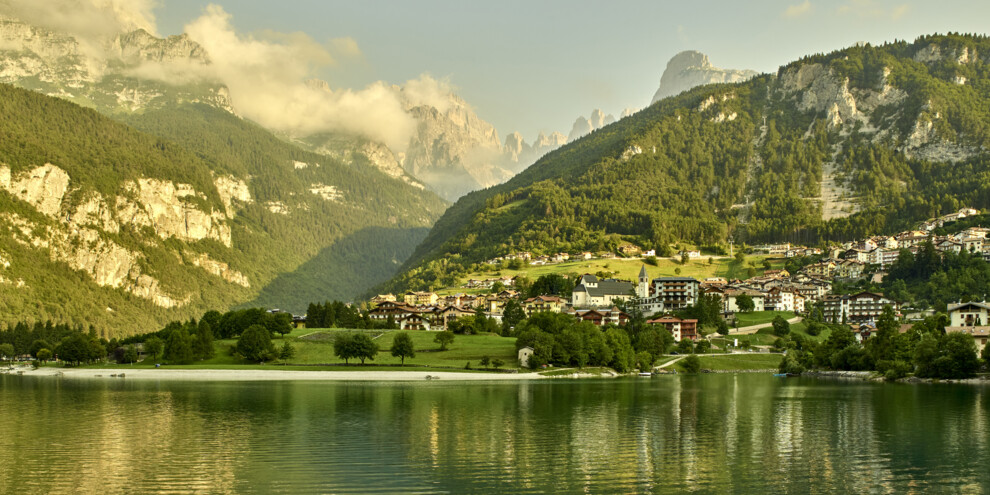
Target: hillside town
(610, 301)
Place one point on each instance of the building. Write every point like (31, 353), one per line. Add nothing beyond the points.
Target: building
(731, 296)
(675, 293)
(524, 354)
(593, 293)
(539, 304)
(602, 317)
(678, 327)
(972, 318)
(420, 298)
(865, 307)
(784, 299)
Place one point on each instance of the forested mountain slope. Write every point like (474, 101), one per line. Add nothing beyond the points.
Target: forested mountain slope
(859, 141)
(106, 225)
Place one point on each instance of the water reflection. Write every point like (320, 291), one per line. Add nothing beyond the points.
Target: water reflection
(712, 433)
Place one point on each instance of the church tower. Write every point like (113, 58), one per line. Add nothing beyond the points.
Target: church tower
(643, 287)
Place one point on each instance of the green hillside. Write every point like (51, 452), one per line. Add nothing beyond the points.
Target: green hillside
(860, 141)
(294, 218)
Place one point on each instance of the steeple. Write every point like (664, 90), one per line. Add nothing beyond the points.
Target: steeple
(642, 273)
(643, 287)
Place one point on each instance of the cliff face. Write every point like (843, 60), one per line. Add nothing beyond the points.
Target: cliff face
(690, 69)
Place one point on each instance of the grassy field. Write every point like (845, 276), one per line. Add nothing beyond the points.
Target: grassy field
(760, 317)
(628, 269)
(754, 361)
(314, 347)
(765, 336)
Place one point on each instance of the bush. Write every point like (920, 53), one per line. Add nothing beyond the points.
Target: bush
(791, 365)
(691, 364)
(894, 370)
(781, 327)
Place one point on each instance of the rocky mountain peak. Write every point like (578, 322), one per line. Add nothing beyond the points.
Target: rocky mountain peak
(691, 68)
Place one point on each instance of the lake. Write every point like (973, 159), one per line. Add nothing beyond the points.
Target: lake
(740, 433)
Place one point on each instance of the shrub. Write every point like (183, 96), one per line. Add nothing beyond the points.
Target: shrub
(691, 364)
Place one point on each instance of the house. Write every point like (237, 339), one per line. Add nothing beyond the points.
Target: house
(863, 331)
(420, 298)
(380, 298)
(593, 293)
(650, 252)
(586, 255)
(540, 304)
(776, 274)
(856, 308)
(395, 310)
(602, 317)
(678, 327)
(972, 318)
(298, 321)
(824, 268)
(414, 321)
(784, 299)
(524, 355)
(730, 304)
(850, 269)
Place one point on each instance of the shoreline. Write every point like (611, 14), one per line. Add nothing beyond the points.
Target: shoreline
(208, 375)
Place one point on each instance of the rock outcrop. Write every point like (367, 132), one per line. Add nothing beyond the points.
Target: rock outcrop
(584, 125)
(689, 69)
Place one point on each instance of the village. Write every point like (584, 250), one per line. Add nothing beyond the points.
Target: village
(610, 301)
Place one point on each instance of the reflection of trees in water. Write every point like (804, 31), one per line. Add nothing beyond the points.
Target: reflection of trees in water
(719, 433)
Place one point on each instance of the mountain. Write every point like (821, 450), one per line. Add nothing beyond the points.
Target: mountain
(102, 224)
(584, 126)
(689, 69)
(860, 141)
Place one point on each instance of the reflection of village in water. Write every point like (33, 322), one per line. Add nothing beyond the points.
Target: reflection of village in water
(721, 433)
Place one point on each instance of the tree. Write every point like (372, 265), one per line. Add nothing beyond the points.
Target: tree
(703, 346)
(740, 257)
(497, 363)
(130, 355)
(691, 364)
(444, 338)
(512, 314)
(6, 352)
(781, 328)
(44, 355)
(485, 361)
(178, 348)
(342, 346)
(745, 303)
(790, 364)
(402, 347)
(552, 284)
(497, 287)
(644, 360)
(38, 345)
(685, 258)
(685, 346)
(153, 347)
(280, 323)
(287, 351)
(255, 344)
(364, 347)
(986, 356)
(203, 344)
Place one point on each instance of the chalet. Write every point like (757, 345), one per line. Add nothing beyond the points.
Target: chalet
(450, 313)
(856, 308)
(824, 268)
(948, 245)
(586, 255)
(850, 269)
(298, 321)
(714, 282)
(971, 318)
(863, 331)
(392, 309)
(678, 327)
(593, 293)
(414, 322)
(602, 317)
(540, 304)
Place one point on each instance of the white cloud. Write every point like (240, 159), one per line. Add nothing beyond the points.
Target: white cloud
(87, 19)
(799, 10)
(267, 73)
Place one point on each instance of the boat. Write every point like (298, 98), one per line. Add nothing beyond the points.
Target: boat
(646, 374)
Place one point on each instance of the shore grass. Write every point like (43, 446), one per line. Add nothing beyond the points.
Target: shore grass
(761, 317)
(728, 362)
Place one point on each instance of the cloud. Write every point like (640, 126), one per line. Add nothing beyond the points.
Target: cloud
(871, 9)
(799, 10)
(267, 76)
(87, 19)
(428, 91)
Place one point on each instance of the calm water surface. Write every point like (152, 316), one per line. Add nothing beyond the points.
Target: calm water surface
(719, 433)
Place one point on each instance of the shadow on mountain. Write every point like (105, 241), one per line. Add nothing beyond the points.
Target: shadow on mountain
(342, 271)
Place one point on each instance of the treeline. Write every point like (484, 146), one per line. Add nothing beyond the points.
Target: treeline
(925, 350)
(931, 279)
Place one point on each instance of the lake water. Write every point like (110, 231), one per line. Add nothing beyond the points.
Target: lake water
(713, 433)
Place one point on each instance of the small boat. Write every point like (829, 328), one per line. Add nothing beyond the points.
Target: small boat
(646, 374)
(780, 375)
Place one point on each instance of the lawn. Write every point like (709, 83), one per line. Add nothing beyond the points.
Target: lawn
(314, 347)
(761, 317)
(628, 269)
(753, 361)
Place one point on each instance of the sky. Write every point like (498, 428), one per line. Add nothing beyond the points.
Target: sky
(533, 66)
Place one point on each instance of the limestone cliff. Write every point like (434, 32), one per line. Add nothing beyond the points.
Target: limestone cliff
(689, 69)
